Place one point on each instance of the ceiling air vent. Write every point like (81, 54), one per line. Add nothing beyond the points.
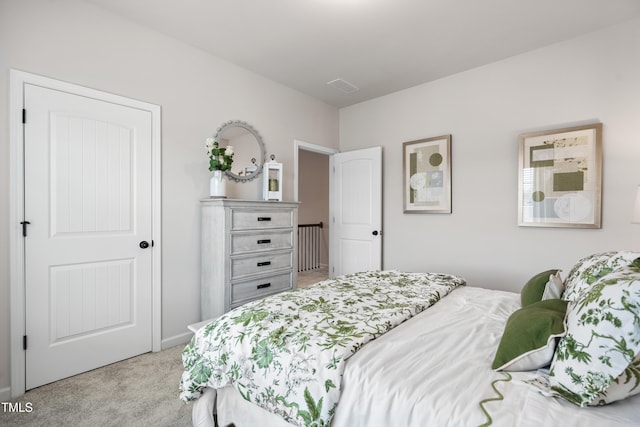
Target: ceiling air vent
(343, 86)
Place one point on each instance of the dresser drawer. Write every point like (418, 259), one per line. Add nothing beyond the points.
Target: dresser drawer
(250, 219)
(246, 291)
(262, 263)
(260, 241)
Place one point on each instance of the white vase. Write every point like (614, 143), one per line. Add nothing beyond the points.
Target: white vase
(217, 185)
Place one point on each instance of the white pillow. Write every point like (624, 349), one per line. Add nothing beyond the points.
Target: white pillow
(554, 287)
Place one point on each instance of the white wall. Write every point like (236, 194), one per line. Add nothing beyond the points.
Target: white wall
(83, 44)
(592, 78)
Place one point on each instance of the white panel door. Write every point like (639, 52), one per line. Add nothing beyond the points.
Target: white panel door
(88, 201)
(357, 211)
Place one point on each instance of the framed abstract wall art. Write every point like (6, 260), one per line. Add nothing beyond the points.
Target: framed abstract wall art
(560, 178)
(427, 175)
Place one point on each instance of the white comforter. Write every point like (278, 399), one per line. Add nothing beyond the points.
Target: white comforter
(287, 353)
(433, 370)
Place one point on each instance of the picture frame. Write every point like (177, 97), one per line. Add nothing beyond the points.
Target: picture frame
(426, 171)
(560, 177)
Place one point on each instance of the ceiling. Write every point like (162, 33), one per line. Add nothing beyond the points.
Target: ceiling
(380, 46)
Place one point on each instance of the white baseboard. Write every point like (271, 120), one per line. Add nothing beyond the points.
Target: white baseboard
(181, 339)
(5, 394)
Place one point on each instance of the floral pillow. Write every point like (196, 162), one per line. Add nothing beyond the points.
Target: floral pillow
(597, 361)
(589, 269)
(626, 385)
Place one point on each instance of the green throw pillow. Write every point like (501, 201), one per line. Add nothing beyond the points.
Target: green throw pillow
(529, 337)
(532, 291)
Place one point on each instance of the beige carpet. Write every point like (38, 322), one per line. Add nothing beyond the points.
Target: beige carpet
(142, 391)
(310, 277)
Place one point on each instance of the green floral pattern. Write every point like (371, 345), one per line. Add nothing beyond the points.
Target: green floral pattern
(589, 269)
(286, 353)
(596, 362)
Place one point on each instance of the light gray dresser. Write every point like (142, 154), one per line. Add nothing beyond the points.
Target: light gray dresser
(249, 251)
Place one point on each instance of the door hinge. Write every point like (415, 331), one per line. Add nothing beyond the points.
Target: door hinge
(24, 342)
(24, 227)
(24, 115)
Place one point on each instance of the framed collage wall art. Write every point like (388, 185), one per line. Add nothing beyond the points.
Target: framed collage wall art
(426, 175)
(560, 178)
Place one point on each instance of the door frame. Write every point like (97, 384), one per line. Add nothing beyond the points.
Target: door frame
(306, 146)
(17, 265)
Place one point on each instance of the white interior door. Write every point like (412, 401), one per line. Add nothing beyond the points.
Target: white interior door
(88, 277)
(356, 205)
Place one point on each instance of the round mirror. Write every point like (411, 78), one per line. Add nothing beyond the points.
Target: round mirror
(248, 149)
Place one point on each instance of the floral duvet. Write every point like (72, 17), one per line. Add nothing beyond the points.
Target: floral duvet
(286, 353)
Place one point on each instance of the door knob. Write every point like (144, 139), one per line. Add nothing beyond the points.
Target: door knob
(375, 232)
(144, 244)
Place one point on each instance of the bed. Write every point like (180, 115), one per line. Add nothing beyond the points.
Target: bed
(436, 362)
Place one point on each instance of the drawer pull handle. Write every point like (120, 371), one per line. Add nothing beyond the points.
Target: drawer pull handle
(264, 285)
(262, 264)
(263, 241)
(264, 218)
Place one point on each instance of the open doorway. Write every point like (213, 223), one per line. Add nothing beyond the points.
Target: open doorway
(311, 189)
